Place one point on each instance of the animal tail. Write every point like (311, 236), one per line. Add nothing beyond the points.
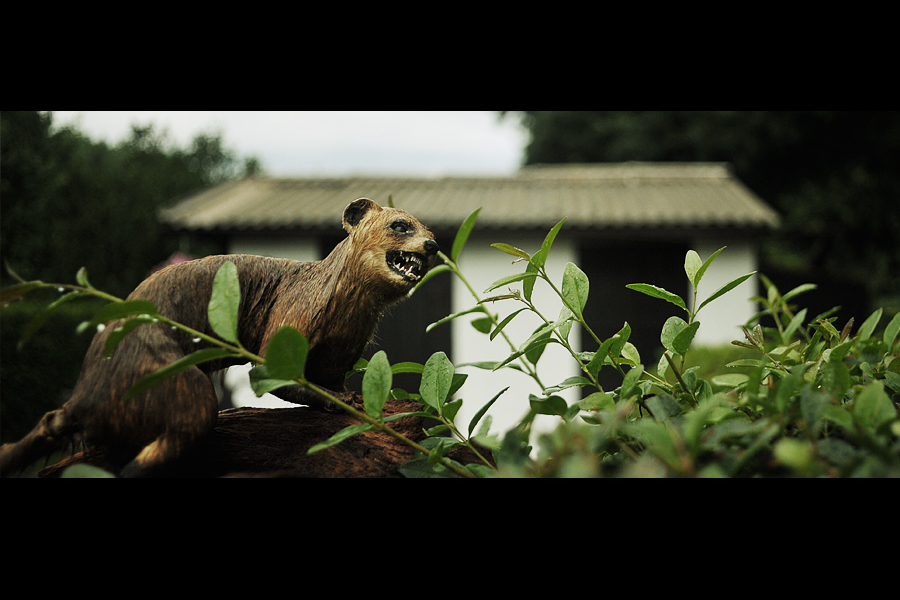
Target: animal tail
(51, 434)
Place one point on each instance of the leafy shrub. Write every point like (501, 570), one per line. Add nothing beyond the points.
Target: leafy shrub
(811, 400)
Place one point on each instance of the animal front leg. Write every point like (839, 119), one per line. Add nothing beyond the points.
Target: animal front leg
(161, 451)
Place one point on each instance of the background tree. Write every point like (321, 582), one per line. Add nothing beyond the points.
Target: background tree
(833, 175)
(69, 202)
(66, 202)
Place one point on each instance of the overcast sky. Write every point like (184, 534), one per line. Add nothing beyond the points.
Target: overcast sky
(429, 143)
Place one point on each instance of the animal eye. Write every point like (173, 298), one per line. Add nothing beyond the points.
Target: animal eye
(401, 226)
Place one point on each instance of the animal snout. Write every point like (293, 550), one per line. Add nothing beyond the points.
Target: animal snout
(431, 247)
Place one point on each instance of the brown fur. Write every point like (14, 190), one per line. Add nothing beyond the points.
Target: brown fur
(335, 302)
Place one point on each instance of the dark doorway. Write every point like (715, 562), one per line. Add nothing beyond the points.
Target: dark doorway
(612, 266)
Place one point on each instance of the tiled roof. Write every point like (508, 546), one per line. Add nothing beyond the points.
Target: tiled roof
(596, 196)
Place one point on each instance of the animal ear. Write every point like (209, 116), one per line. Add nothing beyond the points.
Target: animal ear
(355, 211)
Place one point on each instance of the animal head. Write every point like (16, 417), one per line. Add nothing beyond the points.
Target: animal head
(394, 247)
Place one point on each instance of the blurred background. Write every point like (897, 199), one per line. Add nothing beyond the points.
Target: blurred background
(83, 189)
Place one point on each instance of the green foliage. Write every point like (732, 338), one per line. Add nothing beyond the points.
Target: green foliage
(808, 401)
(831, 174)
(70, 202)
(799, 399)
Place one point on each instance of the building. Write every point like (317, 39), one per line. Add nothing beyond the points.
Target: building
(625, 223)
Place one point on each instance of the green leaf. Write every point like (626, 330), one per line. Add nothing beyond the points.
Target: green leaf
(869, 325)
(630, 352)
(462, 235)
(510, 279)
(438, 450)
(340, 436)
(116, 335)
(534, 345)
(662, 366)
(437, 378)
(575, 287)
(567, 383)
(726, 288)
(565, 319)
(225, 302)
(892, 380)
(790, 386)
(461, 313)
(800, 289)
(262, 383)
(730, 380)
(174, 368)
(812, 405)
(118, 310)
(482, 324)
(702, 270)
(663, 406)
(658, 439)
(839, 415)
(613, 346)
(873, 406)
(796, 454)
(512, 250)
(481, 411)
(838, 353)
(657, 292)
(828, 328)
(620, 339)
(86, 471)
(692, 264)
(528, 284)
(286, 354)
(81, 278)
(420, 468)
(597, 401)
(537, 344)
(14, 292)
(890, 333)
(629, 383)
(712, 409)
(539, 259)
(406, 367)
(451, 408)
(376, 384)
(683, 340)
(794, 325)
(554, 405)
(671, 329)
(457, 382)
(431, 273)
(504, 323)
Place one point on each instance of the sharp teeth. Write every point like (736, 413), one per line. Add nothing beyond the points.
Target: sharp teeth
(409, 264)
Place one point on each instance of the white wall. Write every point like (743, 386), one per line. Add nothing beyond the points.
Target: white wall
(720, 320)
(482, 265)
(302, 249)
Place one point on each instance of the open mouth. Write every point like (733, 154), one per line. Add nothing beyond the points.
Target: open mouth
(410, 265)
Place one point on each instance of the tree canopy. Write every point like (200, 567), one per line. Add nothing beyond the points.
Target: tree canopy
(832, 174)
(68, 201)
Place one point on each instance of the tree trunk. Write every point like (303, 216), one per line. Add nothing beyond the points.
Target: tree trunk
(273, 442)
